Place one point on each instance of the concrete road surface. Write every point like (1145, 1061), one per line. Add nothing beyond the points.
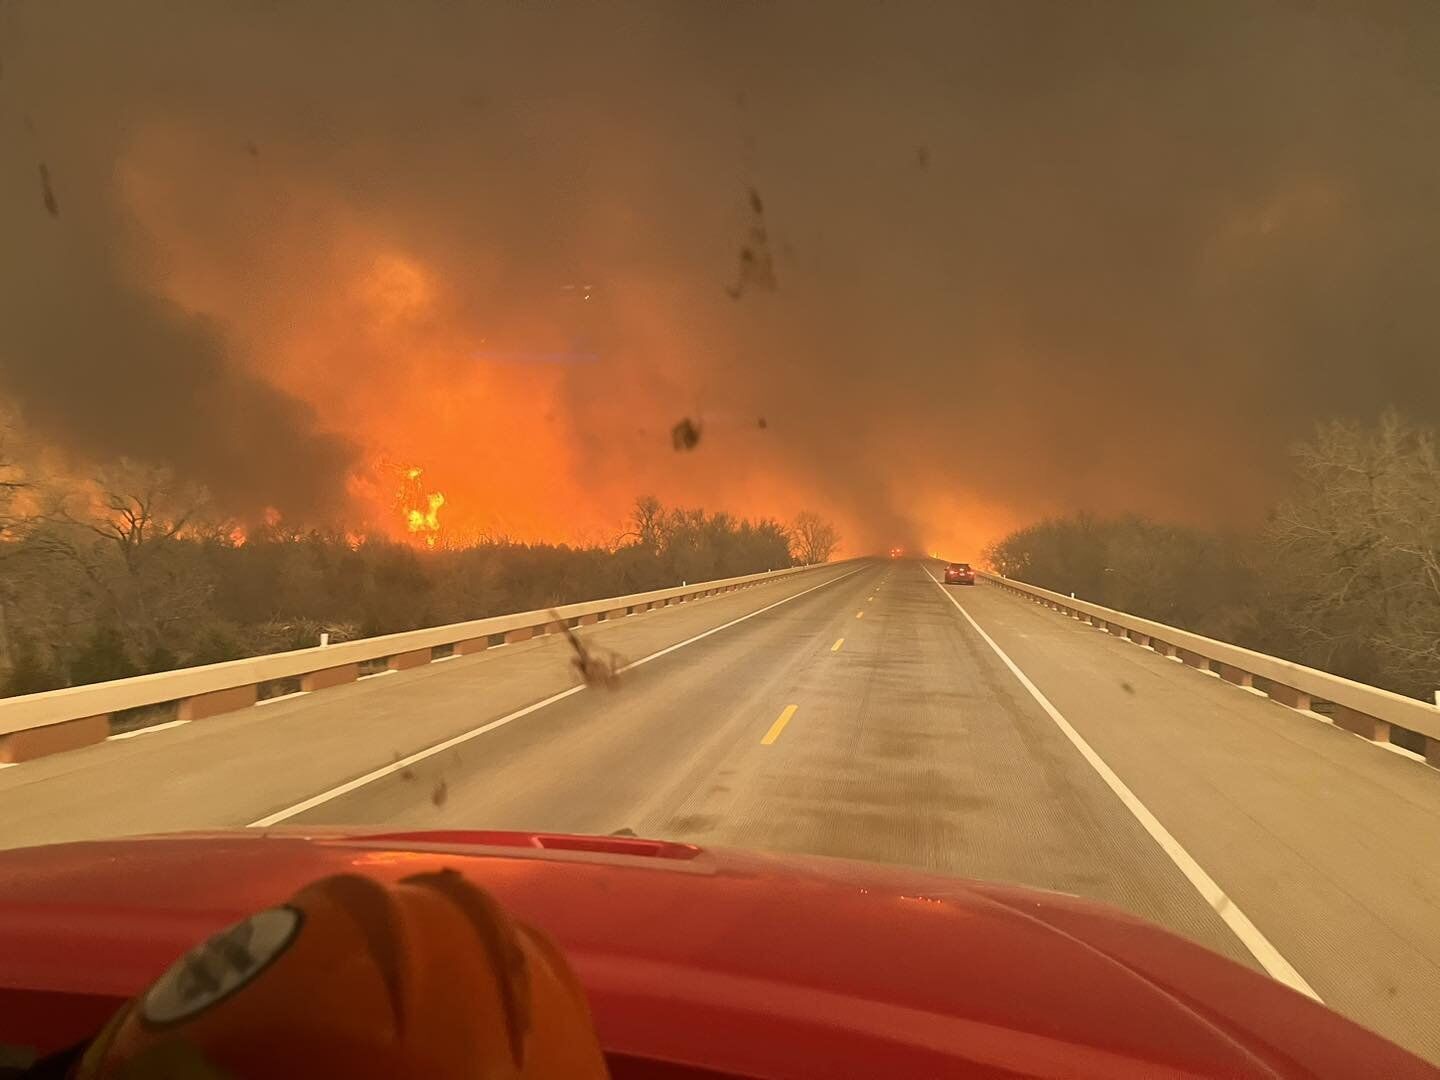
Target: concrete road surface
(855, 712)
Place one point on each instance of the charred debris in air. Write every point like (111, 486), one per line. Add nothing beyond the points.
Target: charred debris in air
(47, 191)
(440, 791)
(685, 435)
(757, 266)
(598, 669)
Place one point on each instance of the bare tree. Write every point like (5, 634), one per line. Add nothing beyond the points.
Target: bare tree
(125, 537)
(813, 539)
(1356, 552)
(647, 522)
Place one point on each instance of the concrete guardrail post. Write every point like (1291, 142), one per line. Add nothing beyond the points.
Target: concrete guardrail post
(53, 738)
(1368, 727)
(404, 661)
(1195, 660)
(217, 702)
(1288, 695)
(328, 677)
(1235, 675)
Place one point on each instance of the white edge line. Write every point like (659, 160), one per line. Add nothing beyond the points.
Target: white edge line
(283, 697)
(1249, 934)
(145, 730)
(430, 751)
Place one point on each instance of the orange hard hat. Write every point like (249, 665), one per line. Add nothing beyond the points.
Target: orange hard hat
(357, 977)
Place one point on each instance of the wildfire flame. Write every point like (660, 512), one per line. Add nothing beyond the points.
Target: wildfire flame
(422, 519)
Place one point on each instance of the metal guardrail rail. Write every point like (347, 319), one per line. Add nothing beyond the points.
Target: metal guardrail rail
(33, 725)
(1365, 710)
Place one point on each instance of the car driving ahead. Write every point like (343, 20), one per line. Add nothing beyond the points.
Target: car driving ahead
(959, 573)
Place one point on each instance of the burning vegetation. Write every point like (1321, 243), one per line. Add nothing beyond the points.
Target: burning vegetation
(420, 508)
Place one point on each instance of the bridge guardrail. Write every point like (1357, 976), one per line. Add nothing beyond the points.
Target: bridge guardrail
(34, 725)
(1365, 710)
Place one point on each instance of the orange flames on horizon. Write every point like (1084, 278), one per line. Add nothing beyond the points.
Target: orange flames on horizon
(394, 347)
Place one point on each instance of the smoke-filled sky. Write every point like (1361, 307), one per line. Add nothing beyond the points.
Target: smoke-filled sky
(1026, 258)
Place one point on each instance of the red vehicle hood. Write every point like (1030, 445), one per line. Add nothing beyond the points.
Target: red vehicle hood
(745, 964)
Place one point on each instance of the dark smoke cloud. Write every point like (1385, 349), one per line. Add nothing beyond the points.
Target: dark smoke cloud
(95, 360)
(1044, 256)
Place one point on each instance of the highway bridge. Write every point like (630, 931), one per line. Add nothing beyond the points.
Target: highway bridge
(1283, 817)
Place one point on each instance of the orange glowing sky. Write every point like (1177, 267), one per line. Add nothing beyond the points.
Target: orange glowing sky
(523, 438)
(1021, 265)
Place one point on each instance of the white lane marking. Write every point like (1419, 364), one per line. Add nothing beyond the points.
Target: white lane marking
(1249, 934)
(145, 730)
(438, 748)
(282, 697)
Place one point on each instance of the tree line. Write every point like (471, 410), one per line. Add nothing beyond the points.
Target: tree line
(1343, 575)
(136, 576)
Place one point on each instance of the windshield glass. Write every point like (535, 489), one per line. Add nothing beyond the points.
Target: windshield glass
(537, 417)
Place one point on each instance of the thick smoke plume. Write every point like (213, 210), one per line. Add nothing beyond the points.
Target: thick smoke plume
(1016, 259)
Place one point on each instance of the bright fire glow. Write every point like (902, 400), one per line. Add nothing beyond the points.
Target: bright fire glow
(421, 508)
(408, 352)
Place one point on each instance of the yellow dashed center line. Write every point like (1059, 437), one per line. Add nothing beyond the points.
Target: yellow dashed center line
(779, 725)
(859, 614)
(869, 599)
(838, 642)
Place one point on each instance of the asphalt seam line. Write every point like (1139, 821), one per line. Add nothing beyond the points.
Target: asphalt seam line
(440, 747)
(1249, 934)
